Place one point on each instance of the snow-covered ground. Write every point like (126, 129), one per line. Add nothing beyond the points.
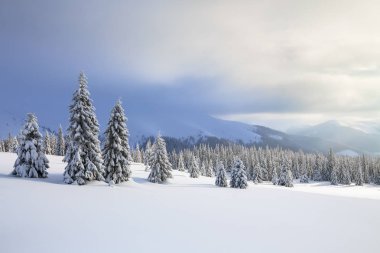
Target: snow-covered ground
(185, 215)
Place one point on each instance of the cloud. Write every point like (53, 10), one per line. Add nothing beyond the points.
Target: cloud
(271, 56)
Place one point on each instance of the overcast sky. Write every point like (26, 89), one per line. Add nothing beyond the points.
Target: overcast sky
(278, 63)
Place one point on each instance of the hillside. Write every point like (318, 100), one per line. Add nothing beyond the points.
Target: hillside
(334, 131)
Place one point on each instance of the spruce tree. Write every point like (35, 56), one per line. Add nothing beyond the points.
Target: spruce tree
(331, 166)
(359, 178)
(83, 156)
(116, 148)
(303, 171)
(317, 170)
(160, 165)
(148, 155)
(345, 172)
(238, 175)
(221, 177)
(286, 177)
(47, 146)
(181, 164)
(137, 156)
(31, 160)
(203, 168)
(209, 170)
(194, 168)
(60, 150)
(53, 144)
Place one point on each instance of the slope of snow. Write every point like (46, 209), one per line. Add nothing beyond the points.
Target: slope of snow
(184, 215)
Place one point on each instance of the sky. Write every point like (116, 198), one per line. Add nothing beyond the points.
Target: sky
(279, 63)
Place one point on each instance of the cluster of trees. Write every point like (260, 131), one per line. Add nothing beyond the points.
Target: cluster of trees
(87, 161)
(53, 144)
(274, 165)
(281, 166)
(9, 145)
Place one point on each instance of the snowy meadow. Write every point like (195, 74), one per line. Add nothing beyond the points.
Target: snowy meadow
(183, 215)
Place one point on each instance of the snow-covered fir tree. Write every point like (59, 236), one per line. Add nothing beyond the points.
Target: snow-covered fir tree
(203, 168)
(161, 168)
(47, 146)
(317, 170)
(194, 167)
(181, 163)
(304, 178)
(115, 151)
(365, 169)
(60, 150)
(83, 155)
(221, 177)
(53, 143)
(11, 144)
(286, 177)
(358, 177)
(238, 175)
(137, 154)
(257, 175)
(31, 160)
(274, 177)
(148, 155)
(208, 169)
(345, 172)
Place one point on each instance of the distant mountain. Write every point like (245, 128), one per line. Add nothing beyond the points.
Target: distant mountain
(334, 131)
(188, 129)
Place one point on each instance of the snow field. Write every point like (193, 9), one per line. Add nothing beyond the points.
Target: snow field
(184, 215)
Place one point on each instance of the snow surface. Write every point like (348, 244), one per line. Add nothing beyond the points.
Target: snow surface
(184, 215)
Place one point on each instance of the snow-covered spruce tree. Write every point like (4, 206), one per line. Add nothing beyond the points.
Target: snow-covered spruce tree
(83, 155)
(47, 147)
(345, 172)
(331, 166)
(31, 160)
(194, 168)
(238, 175)
(12, 144)
(276, 165)
(286, 177)
(53, 143)
(60, 150)
(148, 156)
(137, 154)
(160, 165)
(115, 151)
(257, 171)
(317, 169)
(334, 180)
(181, 164)
(365, 168)
(209, 170)
(221, 177)
(358, 177)
(274, 176)
(303, 170)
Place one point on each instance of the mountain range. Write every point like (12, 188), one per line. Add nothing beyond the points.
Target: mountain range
(189, 129)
